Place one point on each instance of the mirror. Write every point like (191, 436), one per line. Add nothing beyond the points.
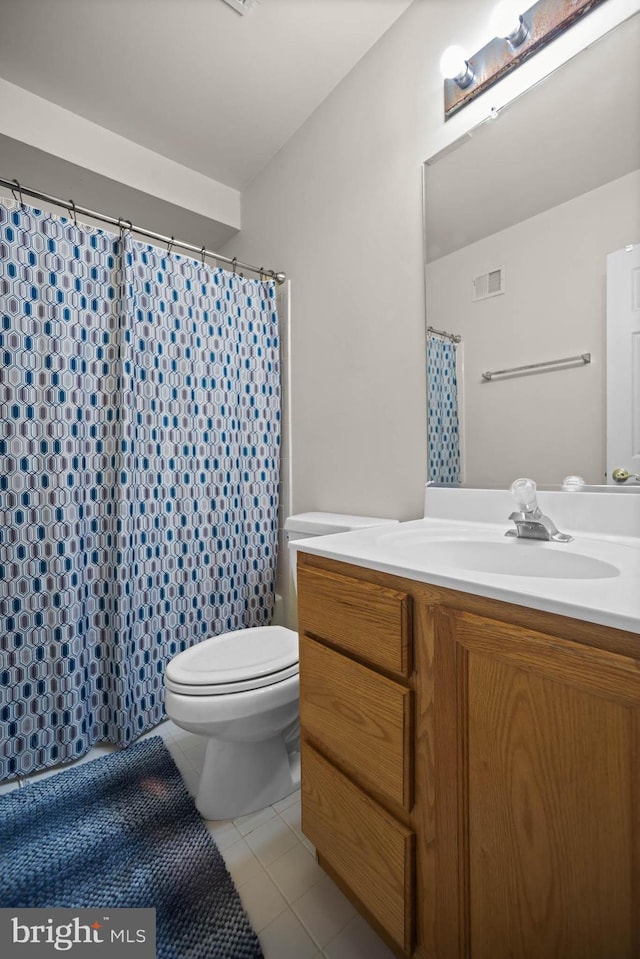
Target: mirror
(519, 218)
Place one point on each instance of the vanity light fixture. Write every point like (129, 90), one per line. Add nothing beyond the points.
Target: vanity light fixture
(518, 36)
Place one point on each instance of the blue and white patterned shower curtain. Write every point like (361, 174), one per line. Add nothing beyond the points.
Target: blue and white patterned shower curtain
(443, 426)
(139, 454)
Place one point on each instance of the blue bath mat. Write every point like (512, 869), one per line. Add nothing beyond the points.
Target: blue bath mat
(122, 831)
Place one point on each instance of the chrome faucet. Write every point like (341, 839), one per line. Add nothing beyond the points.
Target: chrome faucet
(530, 521)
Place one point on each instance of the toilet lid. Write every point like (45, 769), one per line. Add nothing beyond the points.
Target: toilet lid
(245, 659)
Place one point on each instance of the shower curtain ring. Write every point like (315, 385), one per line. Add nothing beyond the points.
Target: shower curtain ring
(234, 263)
(170, 244)
(203, 252)
(73, 212)
(123, 227)
(19, 191)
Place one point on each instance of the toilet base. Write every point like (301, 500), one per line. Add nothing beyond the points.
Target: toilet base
(242, 777)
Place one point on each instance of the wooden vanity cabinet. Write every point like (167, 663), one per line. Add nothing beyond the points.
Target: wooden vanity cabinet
(357, 742)
(470, 768)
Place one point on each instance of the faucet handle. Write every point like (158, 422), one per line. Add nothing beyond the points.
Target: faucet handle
(524, 492)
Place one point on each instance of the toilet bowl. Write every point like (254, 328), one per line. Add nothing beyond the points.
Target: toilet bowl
(240, 690)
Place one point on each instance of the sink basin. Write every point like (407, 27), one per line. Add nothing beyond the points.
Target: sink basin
(507, 557)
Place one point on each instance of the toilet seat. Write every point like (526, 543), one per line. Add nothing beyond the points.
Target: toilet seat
(235, 662)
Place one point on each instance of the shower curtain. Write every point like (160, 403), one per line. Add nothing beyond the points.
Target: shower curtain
(443, 427)
(139, 470)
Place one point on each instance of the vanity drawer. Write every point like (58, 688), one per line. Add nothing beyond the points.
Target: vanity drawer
(361, 717)
(371, 622)
(367, 848)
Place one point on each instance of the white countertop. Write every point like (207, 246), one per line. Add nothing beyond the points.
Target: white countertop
(608, 593)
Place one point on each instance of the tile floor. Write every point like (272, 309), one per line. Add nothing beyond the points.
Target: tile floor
(296, 909)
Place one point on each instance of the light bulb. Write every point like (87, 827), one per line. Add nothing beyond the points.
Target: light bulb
(454, 66)
(507, 22)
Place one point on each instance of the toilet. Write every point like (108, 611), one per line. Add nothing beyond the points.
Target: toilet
(240, 691)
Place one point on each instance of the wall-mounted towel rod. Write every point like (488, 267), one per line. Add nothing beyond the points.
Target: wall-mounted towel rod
(582, 358)
(454, 337)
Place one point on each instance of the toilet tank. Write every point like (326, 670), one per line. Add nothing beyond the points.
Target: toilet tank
(305, 525)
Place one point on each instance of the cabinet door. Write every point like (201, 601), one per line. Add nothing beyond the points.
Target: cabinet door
(368, 849)
(362, 619)
(537, 795)
(363, 719)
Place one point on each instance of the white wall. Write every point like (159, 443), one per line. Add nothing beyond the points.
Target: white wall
(552, 424)
(58, 177)
(47, 127)
(339, 208)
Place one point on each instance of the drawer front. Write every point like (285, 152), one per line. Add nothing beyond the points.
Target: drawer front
(369, 621)
(361, 717)
(369, 850)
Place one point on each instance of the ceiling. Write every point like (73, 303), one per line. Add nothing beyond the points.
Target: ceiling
(192, 80)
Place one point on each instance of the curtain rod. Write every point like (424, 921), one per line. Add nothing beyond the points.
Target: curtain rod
(454, 337)
(73, 208)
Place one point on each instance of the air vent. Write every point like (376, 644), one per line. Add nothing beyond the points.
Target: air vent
(242, 6)
(488, 284)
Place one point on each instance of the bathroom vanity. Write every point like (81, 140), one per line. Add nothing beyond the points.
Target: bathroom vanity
(471, 755)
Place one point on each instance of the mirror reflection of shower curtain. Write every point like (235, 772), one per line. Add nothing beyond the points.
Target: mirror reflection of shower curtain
(443, 422)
